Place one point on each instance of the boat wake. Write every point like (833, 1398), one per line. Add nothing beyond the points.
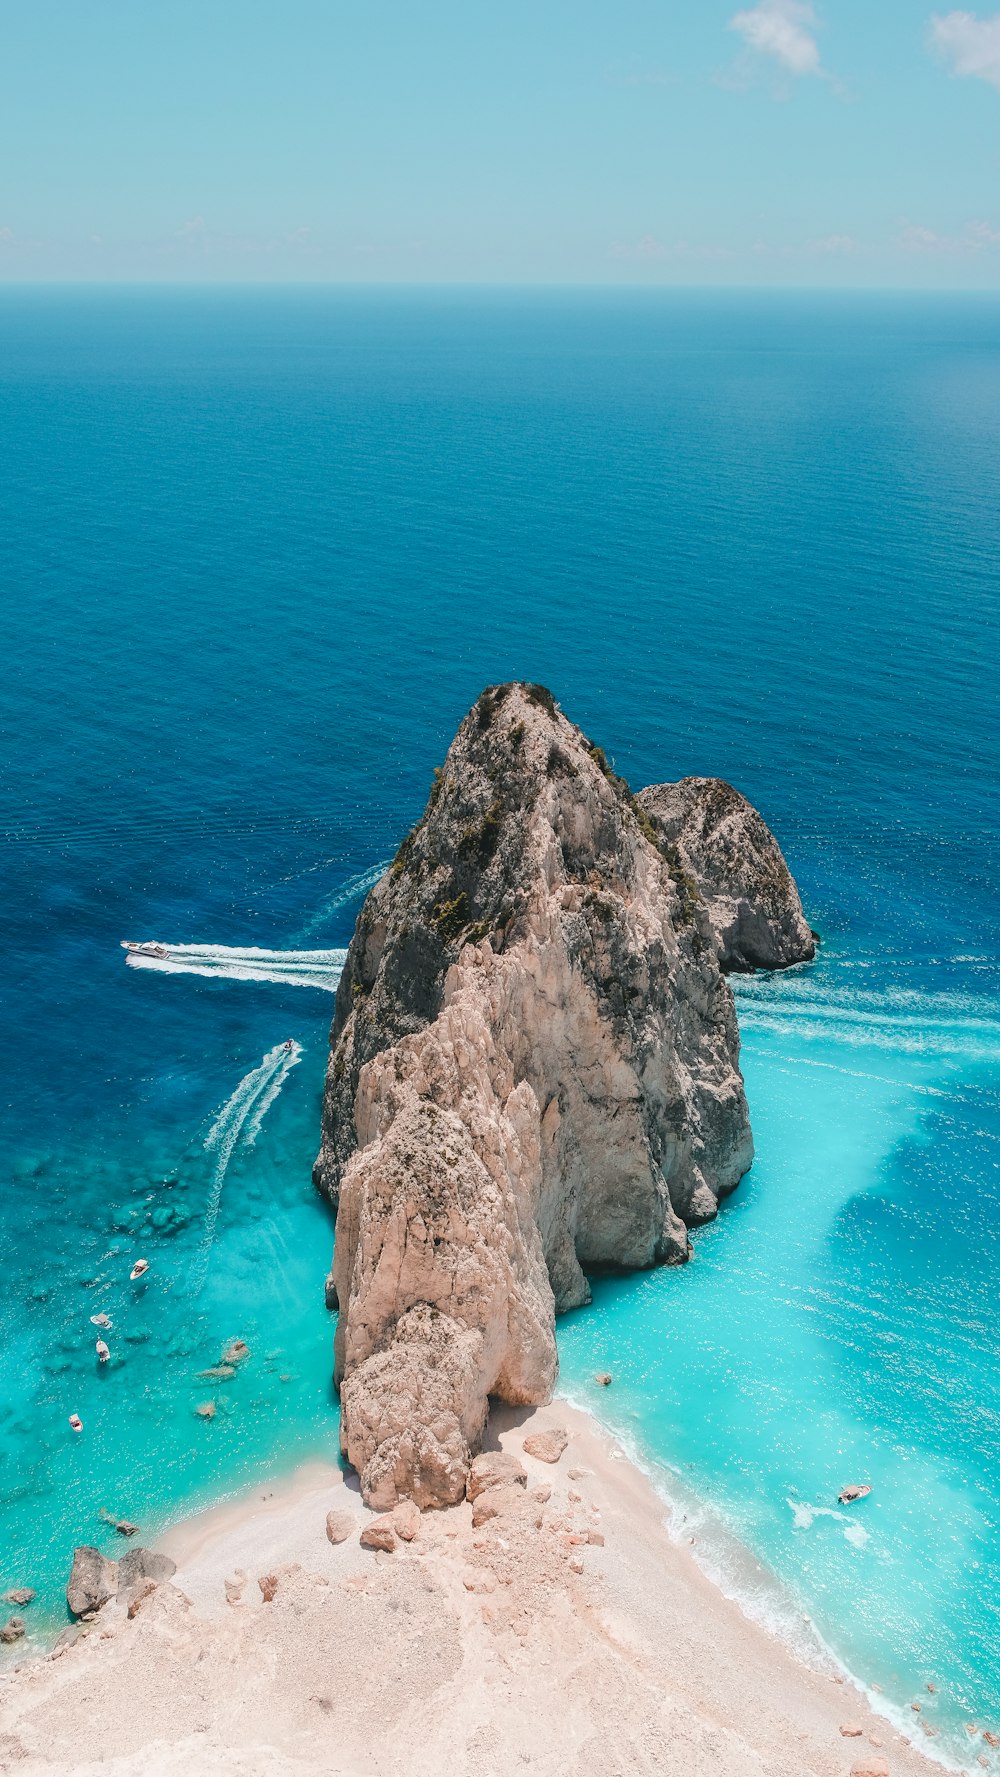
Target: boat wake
(239, 1121)
(900, 1020)
(350, 891)
(291, 968)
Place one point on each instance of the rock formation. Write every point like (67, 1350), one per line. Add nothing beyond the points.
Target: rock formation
(720, 840)
(92, 1581)
(534, 1070)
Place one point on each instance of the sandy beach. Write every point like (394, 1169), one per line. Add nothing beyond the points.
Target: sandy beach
(566, 1635)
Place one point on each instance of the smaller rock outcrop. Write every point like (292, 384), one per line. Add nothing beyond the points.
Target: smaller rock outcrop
(140, 1565)
(92, 1581)
(736, 867)
(20, 1595)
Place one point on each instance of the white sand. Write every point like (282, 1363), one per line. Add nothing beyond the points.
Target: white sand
(389, 1663)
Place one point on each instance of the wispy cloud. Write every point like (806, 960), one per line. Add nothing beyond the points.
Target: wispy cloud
(976, 237)
(784, 30)
(970, 44)
(834, 243)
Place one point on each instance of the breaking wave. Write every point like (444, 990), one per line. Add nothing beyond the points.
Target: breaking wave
(291, 968)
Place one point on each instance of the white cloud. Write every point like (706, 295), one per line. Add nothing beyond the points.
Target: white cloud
(834, 243)
(976, 237)
(970, 44)
(782, 29)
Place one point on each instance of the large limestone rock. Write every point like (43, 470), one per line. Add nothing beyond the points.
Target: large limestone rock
(534, 1069)
(735, 862)
(92, 1581)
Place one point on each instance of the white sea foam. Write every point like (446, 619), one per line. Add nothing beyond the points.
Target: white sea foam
(348, 892)
(241, 1117)
(290, 968)
(902, 1020)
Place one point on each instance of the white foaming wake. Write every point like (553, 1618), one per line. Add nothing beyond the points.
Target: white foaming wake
(242, 1115)
(350, 891)
(899, 1019)
(291, 968)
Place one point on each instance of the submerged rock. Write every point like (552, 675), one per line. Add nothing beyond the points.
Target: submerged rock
(534, 1070)
(92, 1581)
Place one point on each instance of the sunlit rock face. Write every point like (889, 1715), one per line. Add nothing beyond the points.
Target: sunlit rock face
(534, 1070)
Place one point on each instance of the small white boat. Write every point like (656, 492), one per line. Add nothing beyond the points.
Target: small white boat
(146, 949)
(139, 1269)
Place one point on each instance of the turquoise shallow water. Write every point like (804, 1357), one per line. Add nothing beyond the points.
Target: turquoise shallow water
(259, 554)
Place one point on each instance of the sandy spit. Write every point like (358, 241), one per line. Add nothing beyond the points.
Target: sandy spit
(567, 1637)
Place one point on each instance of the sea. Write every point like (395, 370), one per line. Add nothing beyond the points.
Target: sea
(260, 549)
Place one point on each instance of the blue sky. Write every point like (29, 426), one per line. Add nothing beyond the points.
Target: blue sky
(682, 141)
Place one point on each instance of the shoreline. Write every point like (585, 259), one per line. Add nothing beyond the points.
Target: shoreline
(409, 1661)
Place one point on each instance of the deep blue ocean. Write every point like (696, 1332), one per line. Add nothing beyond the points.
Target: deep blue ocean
(260, 552)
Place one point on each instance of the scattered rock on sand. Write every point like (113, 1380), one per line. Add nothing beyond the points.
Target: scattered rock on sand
(339, 1526)
(494, 1468)
(139, 1598)
(268, 1583)
(479, 1579)
(596, 1538)
(546, 1446)
(379, 1535)
(851, 1730)
(406, 1519)
(92, 1581)
(991, 1739)
(234, 1586)
(21, 1595)
(870, 1767)
(495, 1502)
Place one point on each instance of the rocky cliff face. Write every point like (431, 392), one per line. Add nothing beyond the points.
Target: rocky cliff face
(534, 1069)
(752, 903)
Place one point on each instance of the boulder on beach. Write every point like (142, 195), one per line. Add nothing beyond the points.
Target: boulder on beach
(546, 1446)
(339, 1526)
(494, 1468)
(92, 1581)
(379, 1535)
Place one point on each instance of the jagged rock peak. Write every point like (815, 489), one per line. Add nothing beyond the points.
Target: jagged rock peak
(753, 904)
(534, 1069)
